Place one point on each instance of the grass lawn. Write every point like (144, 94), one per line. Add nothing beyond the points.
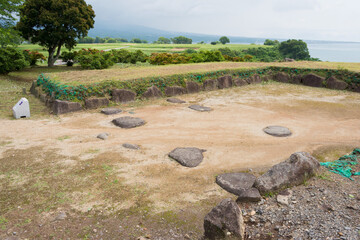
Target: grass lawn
(147, 48)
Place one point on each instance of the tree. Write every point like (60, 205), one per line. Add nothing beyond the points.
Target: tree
(224, 40)
(269, 42)
(54, 23)
(99, 40)
(296, 49)
(8, 10)
(181, 40)
(163, 40)
(136, 40)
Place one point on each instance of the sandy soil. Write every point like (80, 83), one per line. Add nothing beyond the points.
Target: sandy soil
(232, 135)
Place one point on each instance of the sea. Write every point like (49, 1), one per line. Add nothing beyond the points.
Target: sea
(335, 52)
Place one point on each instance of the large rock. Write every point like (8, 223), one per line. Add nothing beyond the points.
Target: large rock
(128, 122)
(152, 92)
(131, 146)
(210, 84)
(93, 103)
(61, 107)
(111, 111)
(200, 108)
(34, 89)
(123, 95)
(313, 80)
(294, 171)
(188, 157)
(235, 183)
(254, 79)
(225, 82)
(192, 87)
(334, 83)
(225, 217)
(249, 195)
(240, 82)
(282, 77)
(175, 90)
(277, 131)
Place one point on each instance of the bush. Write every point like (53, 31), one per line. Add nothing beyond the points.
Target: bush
(33, 56)
(11, 60)
(168, 58)
(124, 56)
(190, 50)
(69, 57)
(95, 59)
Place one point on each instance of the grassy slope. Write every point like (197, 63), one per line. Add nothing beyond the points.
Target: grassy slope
(76, 76)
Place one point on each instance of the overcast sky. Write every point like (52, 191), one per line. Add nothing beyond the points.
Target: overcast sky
(300, 19)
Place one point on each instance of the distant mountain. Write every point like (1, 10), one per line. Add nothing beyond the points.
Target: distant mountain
(152, 34)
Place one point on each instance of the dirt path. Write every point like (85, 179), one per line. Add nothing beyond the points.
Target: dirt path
(231, 133)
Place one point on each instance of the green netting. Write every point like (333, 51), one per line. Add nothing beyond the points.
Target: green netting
(343, 165)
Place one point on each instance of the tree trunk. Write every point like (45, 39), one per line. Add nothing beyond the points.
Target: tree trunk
(52, 59)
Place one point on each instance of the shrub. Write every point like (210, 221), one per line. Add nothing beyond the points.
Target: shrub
(168, 58)
(124, 56)
(190, 50)
(11, 60)
(33, 56)
(69, 57)
(95, 59)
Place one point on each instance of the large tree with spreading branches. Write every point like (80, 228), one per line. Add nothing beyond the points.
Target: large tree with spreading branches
(55, 23)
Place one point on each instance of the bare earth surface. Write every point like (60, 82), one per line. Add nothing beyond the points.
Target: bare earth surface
(57, 164)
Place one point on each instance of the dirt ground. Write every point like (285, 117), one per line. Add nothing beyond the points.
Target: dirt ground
(57, 164)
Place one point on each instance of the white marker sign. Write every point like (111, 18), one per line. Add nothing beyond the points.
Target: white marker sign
(22, 109)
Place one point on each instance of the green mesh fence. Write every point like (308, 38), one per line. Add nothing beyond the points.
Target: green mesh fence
(343, 165)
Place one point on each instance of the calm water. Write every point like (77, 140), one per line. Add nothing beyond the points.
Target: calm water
(335, 52)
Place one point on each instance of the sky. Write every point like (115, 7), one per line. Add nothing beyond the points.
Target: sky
(333, 20)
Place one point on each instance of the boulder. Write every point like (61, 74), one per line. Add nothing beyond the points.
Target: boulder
(131, 146)
(277, 131)
(313, 80)
(152, 92)
(225, 82)
(188, 157)
(192, 87)
(235, 183)
(34, 89)
(123, 95)
(200, 108)
(211, 84)
(175, 100)
(240, 82)
(128, 122)
(93, 103)
(249, 195)
(282, 77)
(174, 90)
(254, 79)
(61, 107)
(294, 171)
(334, 83)
(289, 60)
(111, 111)
(225, 217)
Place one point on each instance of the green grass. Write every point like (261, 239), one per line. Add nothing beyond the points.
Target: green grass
(147, 48)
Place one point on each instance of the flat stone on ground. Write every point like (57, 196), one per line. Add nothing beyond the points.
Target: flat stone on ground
(200, 108)
(236, 183)
(249, 195)
(277, 131)
(128, 122)
(111, 111)
(131, 146)
(103, 136)
(175, 100)
(188, 157)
